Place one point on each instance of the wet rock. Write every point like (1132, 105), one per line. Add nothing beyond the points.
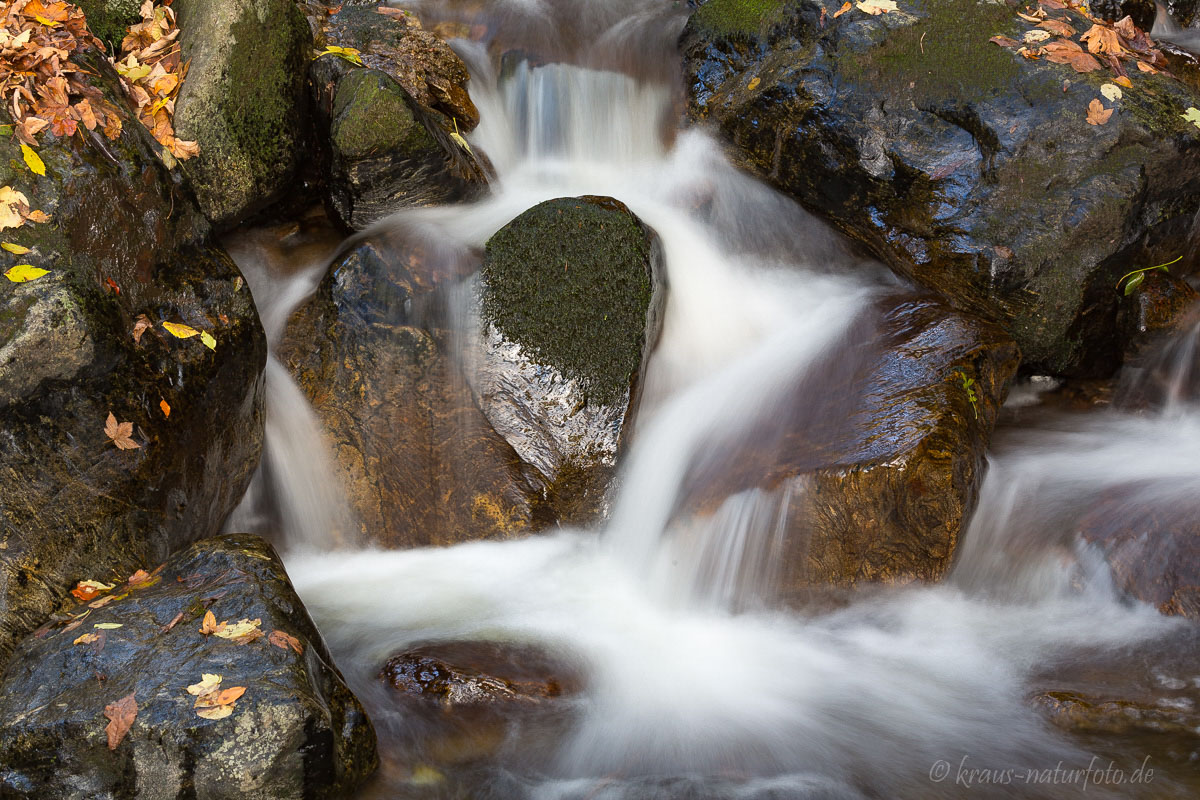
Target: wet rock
(385, 152)
(297, 731)
(1083, 713)
(375, 352)
(1185, 13)
(124, 240)
(964, 166)
(878, 457)
(572, 299)
(1151, 541)
(1142, 12)
(1159, 308)
(455, 675)
(243, 101)
(109, 19)
(431, 73)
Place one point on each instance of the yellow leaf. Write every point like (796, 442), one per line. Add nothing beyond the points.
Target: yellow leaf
(108, 626)
(246, 630)
(15, 248)
(25, 272)
(876, 7)
(754, 82)
(33, 160)
(219, 712)
(347, 53)
(86, 638)
(49, 23)
(1111, 92)
(208, 340)
(1124, 81)
(208, 682)
(180, 331)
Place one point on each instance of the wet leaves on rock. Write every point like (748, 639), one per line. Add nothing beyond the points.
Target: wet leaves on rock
(285, 641)
(121, 433)
(121, 715)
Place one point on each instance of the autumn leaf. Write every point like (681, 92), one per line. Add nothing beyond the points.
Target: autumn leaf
(1067, 52)
(121, 433)
(1111, 92)
(23, 273)
(349, 53)
(37, 216)
(1192, 115)
(139, 577)
(285, 641)
(140, 326)
(89, 590)
(207, 339)
(1101, 39)
(121, 715)
(241, 632)
(109, 626)
(13, 207)
(212, 702)
(1004, 41)
(33, 160)
(845, 7)
(86, 638)
(1097, 114)
(1035, 36)
(103, 601)
(209, 624)
(174, 621)
(208, 682)
(1057, 26)
(876, 7)
(220, 712)
(15, 249)
(180, 331)
(222, 697)
(165, 407)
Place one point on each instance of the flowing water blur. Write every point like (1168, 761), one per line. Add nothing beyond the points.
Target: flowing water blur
(697, 684)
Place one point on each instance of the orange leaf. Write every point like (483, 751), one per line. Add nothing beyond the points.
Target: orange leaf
(139, 577)
(121, 715)
(209, 625)
(1102, 39)
(1057, 26)
(846, 7)
(1097, 114)
(285, 641)
(121, 433)
(165, 406)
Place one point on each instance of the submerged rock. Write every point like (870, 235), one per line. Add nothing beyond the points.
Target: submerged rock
(243, 101)
(375, 352)
(125, 243)
(297, 731)
(572, 299)
(877, 458)
(964, 166)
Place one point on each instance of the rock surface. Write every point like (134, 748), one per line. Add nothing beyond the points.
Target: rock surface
(108, 19)
(375, 353)
(880, 453)
(964, 166)
(572, 297)
(124, 241)
(297, 731)
(243, 101)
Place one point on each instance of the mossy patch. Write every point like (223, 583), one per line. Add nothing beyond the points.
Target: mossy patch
(738, 17)
(109, 19)
(372, 116)
(570, 280)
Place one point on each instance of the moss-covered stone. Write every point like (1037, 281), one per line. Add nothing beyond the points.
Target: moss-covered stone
(297, 731)
(571, 281)
(967, 168)
(243, 101)
(371, 116)
(738, 17)
(109, 19)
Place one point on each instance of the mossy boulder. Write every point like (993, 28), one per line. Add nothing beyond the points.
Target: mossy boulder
(297, 731)
(383, 150)
(878, 489)
(967, 168)
(376, 353)
(243, 101)
(124, 240)
(571, 300)
(108, 20)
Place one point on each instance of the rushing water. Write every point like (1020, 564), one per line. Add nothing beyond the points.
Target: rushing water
(695, 684)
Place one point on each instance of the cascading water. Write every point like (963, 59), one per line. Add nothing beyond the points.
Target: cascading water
(693, 685)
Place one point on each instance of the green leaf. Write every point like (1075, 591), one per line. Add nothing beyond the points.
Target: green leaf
(108, 626)
(1134, 283)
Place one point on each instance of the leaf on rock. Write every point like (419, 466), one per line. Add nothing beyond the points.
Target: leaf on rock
(108, 626)
(1065, 51)
(223, 697)
(1192, 115)
(876, 7)
(845, 7)
(1123, 80)
(1004, 41)
(37, 216)
(180, 331)
(207, 339)
(140, 326)
(241, 632)
(14, 208)
(1102, 39)
(1097, 114)
(121, 715)
(1111, 92)
(121, 433)
(209, 624)
(86, 638)
(15, 249)
(139, 577)
(89, 590)
(285, 641)
(103, 601)
(1036, 35)
(1057, 27)
(165, 407)
(219, 712)
(345, 53)
(23, 273)
(33, 160)
(208, 682)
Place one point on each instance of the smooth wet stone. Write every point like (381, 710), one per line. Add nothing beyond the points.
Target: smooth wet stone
(572, 295)
(374, 352)
(296, 732)
(125, 240)
(965, 167)
(243, 101)
(1160, 307)
(878, 454)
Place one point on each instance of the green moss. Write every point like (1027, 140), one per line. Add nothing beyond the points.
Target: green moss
(733, 17)
(945, 55)
(109, 19)
(371, 116)
(570, 281)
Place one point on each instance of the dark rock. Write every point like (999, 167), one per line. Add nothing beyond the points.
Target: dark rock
(124, 240)
(385, 152)
(876, 488)
(964, 166)
(296, 732)
(432, 74)
(1157, 309)
(109, 19)
(243, 101)
(1150, 538)
(1142, 12)
(572, 299)
(1185, 13)
(375, 352)
(1084, 713)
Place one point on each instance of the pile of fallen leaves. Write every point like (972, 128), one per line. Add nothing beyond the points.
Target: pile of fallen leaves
(42, 88)
(152, 70)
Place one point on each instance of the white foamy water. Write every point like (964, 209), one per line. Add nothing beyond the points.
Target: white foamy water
(694, 685)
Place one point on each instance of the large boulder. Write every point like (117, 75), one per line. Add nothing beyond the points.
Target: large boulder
(966, 167)
(296, 731)
(126, 248)
(572, 296)
(108, 20)
(375, 352)
(243, 101)
(877, 490)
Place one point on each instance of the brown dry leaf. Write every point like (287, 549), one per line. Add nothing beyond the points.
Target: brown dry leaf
(220, 697)
(14, 208)
(1144, 67)
(1065, 51)
(139, 577)
(1102, 39)
(103, 601)
(121, 433)
(209, 625)
(121, 715)
(174, 621)
(219, 712)
(1004, 41)
(1057, 27)
(86, 638)
(1124, 81)
(1126, 27)
(1036, 16)
(140, 326)
(285, 641)
(845, 7)
(37, 216)
(1097, 114)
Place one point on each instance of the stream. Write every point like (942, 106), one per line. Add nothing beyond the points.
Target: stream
(694, 679)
